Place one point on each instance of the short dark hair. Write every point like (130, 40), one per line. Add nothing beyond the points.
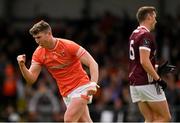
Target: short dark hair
(41, 26)
(143, 12)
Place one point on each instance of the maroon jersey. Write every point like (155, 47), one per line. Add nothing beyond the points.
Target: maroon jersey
(141, 38)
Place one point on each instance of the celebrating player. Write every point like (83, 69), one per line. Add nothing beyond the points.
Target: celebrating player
(63, 59)
(146, 86)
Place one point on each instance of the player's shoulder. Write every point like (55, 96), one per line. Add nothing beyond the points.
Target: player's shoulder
(139, 33)
(65, 41)
(146, 35)
(39, 50)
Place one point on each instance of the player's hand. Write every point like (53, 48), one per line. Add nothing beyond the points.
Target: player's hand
(162, 83)
(92, 89)
(165, 68)
(21, 59)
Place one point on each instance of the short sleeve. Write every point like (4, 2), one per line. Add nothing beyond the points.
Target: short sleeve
(38, 56)
(75, 49)
(146, 41)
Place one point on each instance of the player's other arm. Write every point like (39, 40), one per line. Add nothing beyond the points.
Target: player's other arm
(31, 74)
(89, 61)
(146, 63)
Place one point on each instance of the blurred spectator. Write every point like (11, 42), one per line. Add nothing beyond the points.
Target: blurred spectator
(9, 85)
(44, 105)
(10, 115)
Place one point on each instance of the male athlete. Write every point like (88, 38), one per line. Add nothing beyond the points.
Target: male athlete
(63, 59)
(146, 86)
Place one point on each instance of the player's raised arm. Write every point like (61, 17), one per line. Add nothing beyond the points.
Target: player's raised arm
(31, 74)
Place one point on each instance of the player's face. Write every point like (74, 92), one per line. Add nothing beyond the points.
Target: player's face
(42, 38)
(153, 21)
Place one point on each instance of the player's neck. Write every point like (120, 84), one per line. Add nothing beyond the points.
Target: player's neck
(146, 25)
(52, 43)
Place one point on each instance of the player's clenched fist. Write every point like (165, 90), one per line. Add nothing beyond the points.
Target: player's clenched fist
(21, 59)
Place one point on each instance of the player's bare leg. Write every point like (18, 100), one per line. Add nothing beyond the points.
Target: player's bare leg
(85, 116)
(75, 110)
(161, 111)
(145, 111)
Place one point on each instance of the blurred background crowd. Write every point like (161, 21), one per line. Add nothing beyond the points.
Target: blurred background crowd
(106, 37)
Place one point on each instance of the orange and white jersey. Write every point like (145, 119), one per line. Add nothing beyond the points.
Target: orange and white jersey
(64, 64)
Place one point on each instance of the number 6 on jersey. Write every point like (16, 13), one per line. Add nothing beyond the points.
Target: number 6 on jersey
(131, 50)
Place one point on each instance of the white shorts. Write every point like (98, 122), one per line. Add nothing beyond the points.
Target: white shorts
(147, 93)
(78, 92)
